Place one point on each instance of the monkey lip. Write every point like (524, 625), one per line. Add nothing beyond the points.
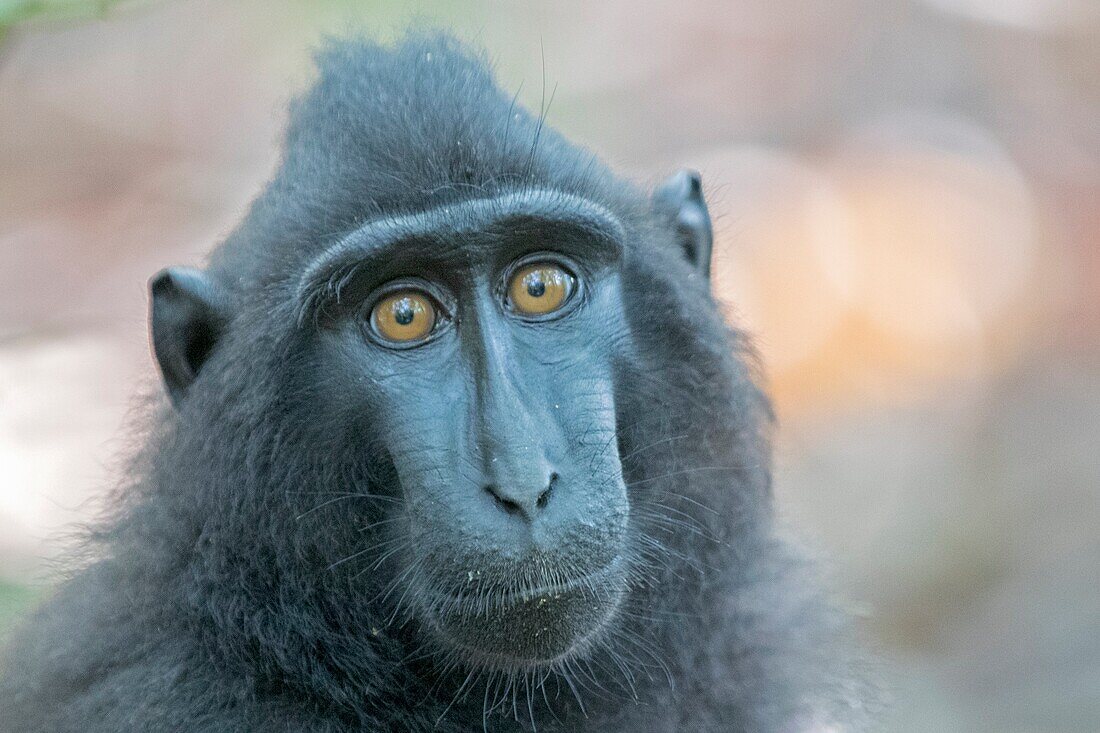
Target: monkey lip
(589, 582)
(531, 626)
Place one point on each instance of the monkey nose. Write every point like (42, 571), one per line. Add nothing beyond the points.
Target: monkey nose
(524, 501)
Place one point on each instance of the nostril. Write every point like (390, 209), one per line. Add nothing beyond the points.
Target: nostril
(525, 504)
(544, 497)
(508, 505)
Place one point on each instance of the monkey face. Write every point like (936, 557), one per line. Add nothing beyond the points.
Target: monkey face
(481, 362)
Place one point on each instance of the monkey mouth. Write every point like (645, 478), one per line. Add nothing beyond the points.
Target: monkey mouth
(520, 628)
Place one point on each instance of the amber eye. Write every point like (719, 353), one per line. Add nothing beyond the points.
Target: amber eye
(404, 317)
(540, 288)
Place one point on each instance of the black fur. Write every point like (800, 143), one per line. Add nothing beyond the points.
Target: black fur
(212, 604)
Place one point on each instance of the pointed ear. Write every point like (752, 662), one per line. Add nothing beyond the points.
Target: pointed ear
(188, 314)
(680, 198)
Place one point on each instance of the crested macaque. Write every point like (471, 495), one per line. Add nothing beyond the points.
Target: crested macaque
(456, 438)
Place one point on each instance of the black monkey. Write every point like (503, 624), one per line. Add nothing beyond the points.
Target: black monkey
(458, 440)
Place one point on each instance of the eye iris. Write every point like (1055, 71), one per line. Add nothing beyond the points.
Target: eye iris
(403, 317)
(539, 289)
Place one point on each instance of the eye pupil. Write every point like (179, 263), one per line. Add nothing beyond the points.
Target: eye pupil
(403, 312)
(536, 288)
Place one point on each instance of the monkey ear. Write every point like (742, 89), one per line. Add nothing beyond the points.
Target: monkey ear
(680, 198)
(188, 314)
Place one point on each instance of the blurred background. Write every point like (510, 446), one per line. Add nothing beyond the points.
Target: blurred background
(907, 202)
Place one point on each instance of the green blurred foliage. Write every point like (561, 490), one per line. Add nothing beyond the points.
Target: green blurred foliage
(14, 12)
(18, 11)
(14, 600)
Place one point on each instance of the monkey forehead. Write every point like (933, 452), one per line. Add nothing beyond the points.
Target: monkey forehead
(386, 131)
(507, 213)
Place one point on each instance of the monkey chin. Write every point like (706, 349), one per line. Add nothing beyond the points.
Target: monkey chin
(531, 628)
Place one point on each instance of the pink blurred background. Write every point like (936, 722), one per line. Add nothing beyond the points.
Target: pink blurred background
(907, 201)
